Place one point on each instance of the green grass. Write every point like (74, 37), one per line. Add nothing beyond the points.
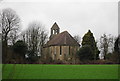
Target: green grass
(39, 71)
(0, 71)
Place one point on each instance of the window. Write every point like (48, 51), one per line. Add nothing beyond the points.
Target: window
(69, 50)
(60, 50)
(53, 31)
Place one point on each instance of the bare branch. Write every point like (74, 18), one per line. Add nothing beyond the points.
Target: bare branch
(10, 23)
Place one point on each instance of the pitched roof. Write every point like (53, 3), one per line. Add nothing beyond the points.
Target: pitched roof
(55, 26)
(63, 38)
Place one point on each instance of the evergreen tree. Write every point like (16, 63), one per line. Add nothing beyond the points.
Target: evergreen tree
(19, 52)
(88, 39)
(116, 45)
(20, 47)
(85, 53)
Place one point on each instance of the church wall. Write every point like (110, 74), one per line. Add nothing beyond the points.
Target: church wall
(55, 52)
(67, 52)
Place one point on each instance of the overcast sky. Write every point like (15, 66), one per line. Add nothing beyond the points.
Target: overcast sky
(74, 16)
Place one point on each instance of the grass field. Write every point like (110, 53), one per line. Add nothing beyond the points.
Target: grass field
(40, 71)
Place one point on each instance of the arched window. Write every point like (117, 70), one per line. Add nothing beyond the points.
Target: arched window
(69, 50)
(60, 50)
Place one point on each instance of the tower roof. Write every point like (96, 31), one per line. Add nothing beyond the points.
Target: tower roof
(63, 38)
(55, 26)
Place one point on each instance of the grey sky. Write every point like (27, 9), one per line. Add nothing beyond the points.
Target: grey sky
(74, 16)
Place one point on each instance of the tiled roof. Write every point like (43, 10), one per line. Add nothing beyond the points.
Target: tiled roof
(63, 38)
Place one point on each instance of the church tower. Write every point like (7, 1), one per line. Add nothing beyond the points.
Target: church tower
(54, 30)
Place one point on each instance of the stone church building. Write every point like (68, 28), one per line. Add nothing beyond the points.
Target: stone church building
(61, 46)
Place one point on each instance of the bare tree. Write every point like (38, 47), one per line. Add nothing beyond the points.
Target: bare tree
(13, 36)
(106, 42)
(77, 38)
(10, 23)
(35, 36)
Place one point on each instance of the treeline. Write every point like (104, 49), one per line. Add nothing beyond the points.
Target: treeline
(27, 46)
(21, 46)
(108, 49)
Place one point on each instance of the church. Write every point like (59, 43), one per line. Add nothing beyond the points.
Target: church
(61, 46)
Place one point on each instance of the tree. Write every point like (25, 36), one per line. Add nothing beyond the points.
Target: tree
(20, 47)
(32, 56)
(85, 53)
(117, 49)
(77, 38)
(13, 37)
(88, 39)
(106, 41)
(35, 37)
(9, 22)
(20, 50)
(117, 45)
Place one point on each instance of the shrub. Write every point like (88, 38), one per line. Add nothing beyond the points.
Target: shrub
(58, 62)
